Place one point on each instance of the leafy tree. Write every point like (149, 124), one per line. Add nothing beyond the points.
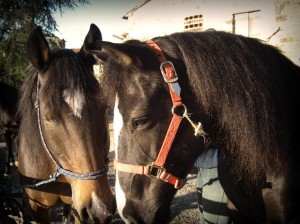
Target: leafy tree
(17, 18)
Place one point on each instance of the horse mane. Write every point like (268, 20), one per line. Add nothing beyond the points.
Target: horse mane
(67, 70)
(249, 90)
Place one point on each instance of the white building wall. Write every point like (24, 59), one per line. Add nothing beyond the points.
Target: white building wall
(162, 17)
(288, 19)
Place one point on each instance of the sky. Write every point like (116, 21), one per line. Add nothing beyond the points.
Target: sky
(73, 25)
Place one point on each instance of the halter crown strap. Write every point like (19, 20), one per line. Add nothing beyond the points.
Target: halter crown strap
(171, 78)
(168, 72)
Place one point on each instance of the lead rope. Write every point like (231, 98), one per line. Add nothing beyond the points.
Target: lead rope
(59, 169)
(198, 128)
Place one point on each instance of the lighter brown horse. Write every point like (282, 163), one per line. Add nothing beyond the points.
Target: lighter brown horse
(64, 132)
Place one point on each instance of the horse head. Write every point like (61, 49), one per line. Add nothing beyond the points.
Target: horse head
(64, 130)
(142, 116)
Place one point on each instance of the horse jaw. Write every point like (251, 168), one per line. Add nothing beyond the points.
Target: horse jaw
(120, 195)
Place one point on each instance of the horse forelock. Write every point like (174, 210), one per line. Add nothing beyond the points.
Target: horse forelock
(70, 80)
(234, 82)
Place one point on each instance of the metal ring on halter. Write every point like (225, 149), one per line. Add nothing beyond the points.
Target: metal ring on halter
(182, 105)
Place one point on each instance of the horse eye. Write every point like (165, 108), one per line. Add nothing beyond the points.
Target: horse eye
(138, 122)
(48, 119)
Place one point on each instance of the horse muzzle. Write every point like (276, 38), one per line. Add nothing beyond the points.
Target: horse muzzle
(157, 216)
(97, 212)
(92, 203)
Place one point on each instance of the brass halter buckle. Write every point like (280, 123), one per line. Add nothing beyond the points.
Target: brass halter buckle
(155, 171)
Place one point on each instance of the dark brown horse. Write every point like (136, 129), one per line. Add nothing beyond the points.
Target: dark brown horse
(246, 96)
(63, 132)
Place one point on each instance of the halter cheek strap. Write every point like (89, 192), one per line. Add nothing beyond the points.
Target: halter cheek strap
(170, 76)
(156, 169)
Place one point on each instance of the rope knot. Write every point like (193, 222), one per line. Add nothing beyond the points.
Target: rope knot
(56, 174)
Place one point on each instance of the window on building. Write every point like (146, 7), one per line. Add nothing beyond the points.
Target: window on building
(193, 23)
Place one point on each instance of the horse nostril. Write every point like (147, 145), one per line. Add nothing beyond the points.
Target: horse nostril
(96, 211)
(84, 216)
(130, 220)
(100, 216)
(100, 213)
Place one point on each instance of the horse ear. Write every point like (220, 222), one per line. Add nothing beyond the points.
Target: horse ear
(38, 49)
(109, 49)
(92, 40)
(100, 57)
(118, 51)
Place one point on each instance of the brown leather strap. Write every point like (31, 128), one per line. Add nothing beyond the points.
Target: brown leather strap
(146, 170)
(169, 138)
(170, 76)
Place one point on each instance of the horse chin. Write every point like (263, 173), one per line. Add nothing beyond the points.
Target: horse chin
(159, 216)
(162, 215)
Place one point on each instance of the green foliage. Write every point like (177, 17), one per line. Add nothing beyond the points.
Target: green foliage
(17, 18)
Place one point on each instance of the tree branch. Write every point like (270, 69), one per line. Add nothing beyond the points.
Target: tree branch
(278, 30)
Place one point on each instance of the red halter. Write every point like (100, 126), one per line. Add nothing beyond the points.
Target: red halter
(156, 169)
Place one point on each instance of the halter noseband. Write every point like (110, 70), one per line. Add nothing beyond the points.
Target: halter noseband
(59, 169)
(156, 169)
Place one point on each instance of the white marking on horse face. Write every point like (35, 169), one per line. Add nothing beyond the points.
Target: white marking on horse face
(120, 195)
(118, 124)
(96, 200)
(75, 101)
(97, 203)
